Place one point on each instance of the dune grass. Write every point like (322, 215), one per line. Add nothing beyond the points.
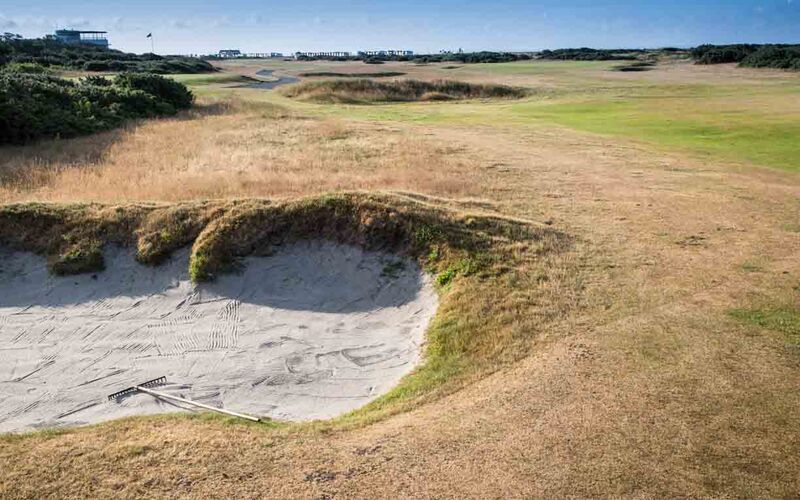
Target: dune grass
(364, 91)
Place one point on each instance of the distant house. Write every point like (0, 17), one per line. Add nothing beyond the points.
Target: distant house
(320, 55)
(386, 53)
(76, 37)
(229, 53)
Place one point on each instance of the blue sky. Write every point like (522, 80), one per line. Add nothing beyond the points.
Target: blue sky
(419, 25)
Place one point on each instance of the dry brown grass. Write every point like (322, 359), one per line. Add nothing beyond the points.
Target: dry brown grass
(230, 149)
(364, 91)
(647, 388)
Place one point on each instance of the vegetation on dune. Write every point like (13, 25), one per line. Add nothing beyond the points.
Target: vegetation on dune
(750, 55)
(368, 91)
(472, 258)
(35, 104)
(51, 53)
(473, 57)
(587, 54)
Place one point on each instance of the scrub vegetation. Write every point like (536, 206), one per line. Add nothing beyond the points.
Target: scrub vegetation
(56, 55)
(37, 105)
(365, 91)
(750, 55)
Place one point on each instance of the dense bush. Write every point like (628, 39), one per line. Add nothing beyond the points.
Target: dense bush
(472, 57)
(34, 106)
(719, 54)
(165, 89)
(89, 58)
(771, 56)
(750, 55)
(587, 54)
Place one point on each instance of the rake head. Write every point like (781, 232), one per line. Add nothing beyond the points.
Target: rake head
(131, 390)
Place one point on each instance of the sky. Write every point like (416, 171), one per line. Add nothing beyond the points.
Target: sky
(424, 26)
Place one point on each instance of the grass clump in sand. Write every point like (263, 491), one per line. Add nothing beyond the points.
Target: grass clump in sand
(365, 91)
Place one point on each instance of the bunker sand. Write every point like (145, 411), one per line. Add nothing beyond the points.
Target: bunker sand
(315, 330)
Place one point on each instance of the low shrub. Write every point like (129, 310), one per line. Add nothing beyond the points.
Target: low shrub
(166, 89)
(587, 54)
(27, 67)
(92, 58)
(750, 55)
(780, 57)
(36, 106)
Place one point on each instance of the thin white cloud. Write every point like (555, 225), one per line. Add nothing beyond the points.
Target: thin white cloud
(7, 23)
(180, 24)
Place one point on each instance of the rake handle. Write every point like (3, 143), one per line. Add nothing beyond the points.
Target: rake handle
(159, 394)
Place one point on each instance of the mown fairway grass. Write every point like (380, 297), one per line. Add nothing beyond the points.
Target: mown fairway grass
(750, 122)
(202, 80)
(767, 139)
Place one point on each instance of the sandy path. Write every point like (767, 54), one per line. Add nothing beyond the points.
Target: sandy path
(311, 332)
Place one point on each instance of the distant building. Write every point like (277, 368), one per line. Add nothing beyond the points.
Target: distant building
(237, 54)
(386, 53)
(298, 55)
(228, 53)
(75, 37)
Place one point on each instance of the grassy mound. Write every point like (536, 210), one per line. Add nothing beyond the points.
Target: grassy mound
(485, 266)
(368, 91)
(36, 105)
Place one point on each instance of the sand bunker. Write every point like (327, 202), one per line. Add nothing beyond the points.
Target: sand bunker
(310, 332)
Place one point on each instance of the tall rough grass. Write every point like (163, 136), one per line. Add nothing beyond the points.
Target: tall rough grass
(365, 91)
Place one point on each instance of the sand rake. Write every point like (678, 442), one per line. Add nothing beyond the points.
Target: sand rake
(146, 388)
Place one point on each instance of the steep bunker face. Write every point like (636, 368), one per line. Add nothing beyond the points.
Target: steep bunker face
(310, 332)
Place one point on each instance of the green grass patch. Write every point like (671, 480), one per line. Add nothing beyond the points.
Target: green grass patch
(201, 80)
(540, 67)
(737, 135)
(785, 320)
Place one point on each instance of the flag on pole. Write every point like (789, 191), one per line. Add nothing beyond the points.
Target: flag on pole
(149, 35)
